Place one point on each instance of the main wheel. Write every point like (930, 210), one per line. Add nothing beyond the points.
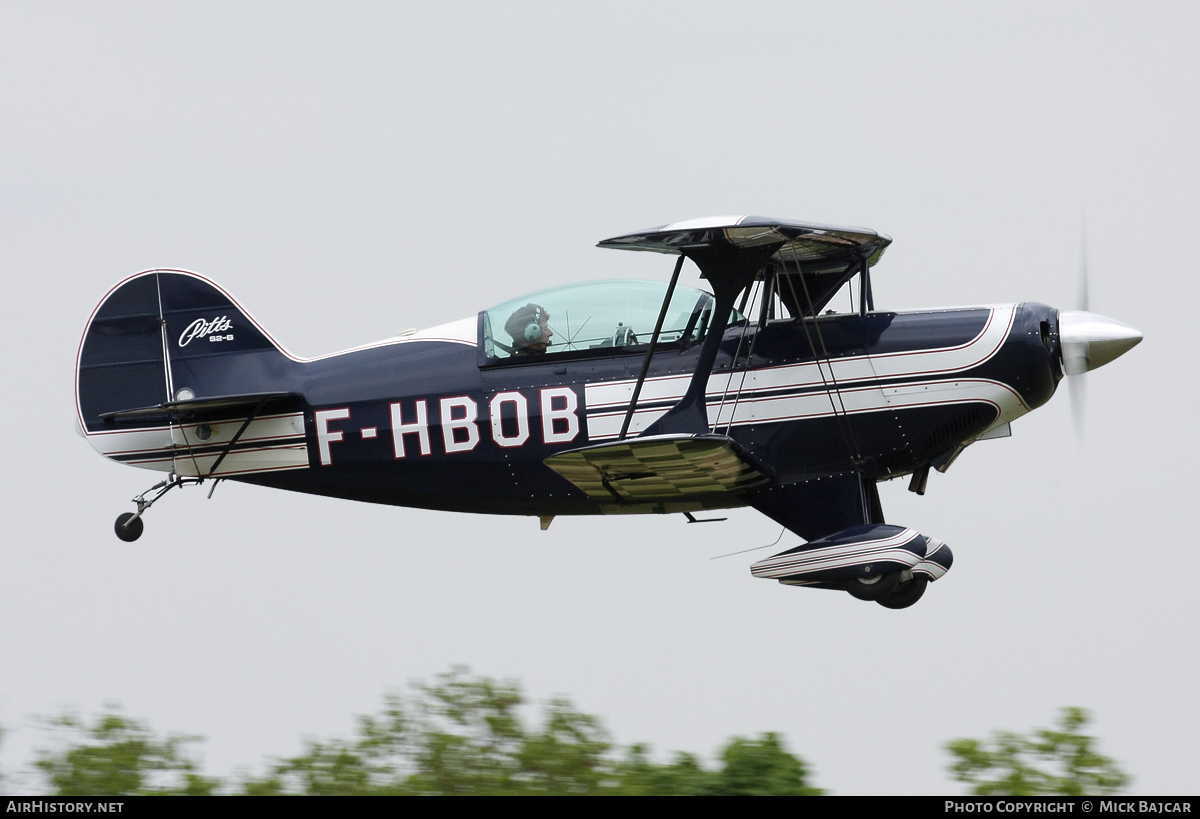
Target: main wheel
(131, 532)
(905, 595)
(873, 588)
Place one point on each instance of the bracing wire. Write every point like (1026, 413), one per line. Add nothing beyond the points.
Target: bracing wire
(756, 548)
(843, 423)
(768, 294)
(737, 353)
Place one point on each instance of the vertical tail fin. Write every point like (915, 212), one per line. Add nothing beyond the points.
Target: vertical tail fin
(164, 336)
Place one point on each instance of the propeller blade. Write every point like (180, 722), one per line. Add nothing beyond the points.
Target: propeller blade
(1081, 288)
(1077, 387)
(1087, 341)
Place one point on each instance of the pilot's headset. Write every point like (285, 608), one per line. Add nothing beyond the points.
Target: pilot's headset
(533, 330)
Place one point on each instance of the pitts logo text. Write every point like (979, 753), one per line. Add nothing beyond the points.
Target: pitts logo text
(200, 328)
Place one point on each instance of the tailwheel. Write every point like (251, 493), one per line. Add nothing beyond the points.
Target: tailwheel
(129, 526)
(905, 594)
(873, 588)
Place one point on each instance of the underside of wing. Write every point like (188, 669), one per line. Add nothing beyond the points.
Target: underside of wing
(207, 409)
(815, 247)
(660, 468)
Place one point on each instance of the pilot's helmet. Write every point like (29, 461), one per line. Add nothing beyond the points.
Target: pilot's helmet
(525, 325)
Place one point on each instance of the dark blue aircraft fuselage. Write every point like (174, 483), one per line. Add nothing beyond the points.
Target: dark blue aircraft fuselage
(881, 394)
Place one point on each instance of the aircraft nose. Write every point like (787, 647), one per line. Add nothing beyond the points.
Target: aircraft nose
(1090, 340)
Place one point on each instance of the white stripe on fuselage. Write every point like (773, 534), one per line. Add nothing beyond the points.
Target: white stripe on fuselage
(268, 444)
(740, 397)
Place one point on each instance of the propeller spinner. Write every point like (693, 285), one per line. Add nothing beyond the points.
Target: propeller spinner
(1090, 340)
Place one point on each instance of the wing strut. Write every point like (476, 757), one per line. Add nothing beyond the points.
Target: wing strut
(229, 446)
(866, 300)
(662, 315)
(730, 270)
(842, 418)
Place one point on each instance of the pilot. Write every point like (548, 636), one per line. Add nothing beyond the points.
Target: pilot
(530, 330)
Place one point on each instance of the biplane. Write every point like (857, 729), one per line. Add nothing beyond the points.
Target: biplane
(604, 397)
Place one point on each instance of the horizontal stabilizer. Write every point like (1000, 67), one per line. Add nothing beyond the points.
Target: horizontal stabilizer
(208, 409)
(660, 468)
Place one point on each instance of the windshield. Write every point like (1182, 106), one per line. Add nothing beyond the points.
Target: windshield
(593, 316)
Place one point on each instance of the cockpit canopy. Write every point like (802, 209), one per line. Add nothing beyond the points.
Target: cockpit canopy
(594, 316)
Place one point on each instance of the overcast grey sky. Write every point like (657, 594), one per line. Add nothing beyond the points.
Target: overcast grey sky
(350, 170)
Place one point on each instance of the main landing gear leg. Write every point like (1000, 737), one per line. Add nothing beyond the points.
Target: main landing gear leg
(129, 525)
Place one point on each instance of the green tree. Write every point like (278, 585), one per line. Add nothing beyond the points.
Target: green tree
(762, 767)
(118, 756)
(373, 763)
(568, 756)
(466, 735)
(469, 735)
(750, 767)
(1061, 761)
(638, 775)
(461, 734)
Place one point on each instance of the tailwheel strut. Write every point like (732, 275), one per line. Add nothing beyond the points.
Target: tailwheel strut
(129, 525)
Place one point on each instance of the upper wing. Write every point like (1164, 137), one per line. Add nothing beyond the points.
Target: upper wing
(812, 261)
(818, 249)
